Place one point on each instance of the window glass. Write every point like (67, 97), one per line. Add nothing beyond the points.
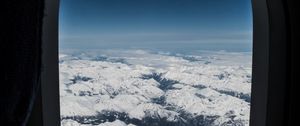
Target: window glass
(155, 62)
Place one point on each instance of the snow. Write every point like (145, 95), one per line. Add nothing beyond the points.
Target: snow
(114, 123)
(143, 84)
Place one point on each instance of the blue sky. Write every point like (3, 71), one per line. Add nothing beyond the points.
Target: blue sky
(165, 24)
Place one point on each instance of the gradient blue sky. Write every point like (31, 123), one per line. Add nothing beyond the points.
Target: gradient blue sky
(165, 24)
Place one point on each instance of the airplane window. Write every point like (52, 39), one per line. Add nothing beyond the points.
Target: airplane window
(155, 62)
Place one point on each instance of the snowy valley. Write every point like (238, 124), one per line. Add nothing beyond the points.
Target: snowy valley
(144, 88)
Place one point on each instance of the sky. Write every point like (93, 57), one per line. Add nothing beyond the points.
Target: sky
(160, 24)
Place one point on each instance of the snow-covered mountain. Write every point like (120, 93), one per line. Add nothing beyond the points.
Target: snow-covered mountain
(143, 88)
